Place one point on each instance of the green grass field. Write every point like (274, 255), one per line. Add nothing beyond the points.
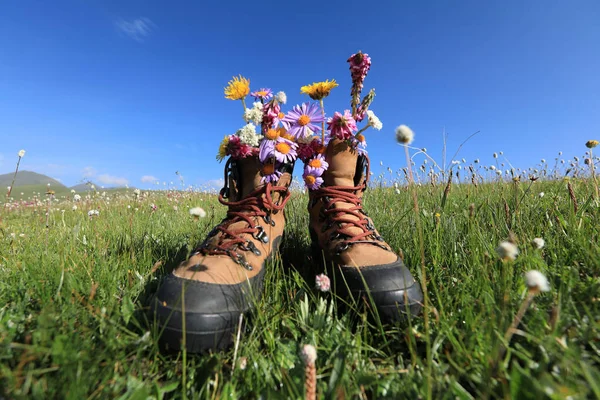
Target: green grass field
(74, 298)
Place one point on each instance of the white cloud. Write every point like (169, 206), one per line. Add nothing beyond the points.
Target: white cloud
(88, 172)
(137, 29)
(112, 180)
(149, 179)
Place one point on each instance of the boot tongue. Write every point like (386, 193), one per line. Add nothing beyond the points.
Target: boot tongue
(249, 176)
(342, 164)
(249, 179)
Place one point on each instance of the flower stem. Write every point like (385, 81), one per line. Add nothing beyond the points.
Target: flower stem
(594, 175)
(322, 123)
(364, 128)
(513, 326)
(423, 274)
(14, 178)
(245, 108)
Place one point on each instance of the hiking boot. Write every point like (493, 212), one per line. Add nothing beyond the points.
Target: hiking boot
(344, 235)
(200, 303)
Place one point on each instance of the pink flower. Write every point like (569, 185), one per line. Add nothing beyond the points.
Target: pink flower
(237, 149)
(271, 115)
(342, 126)
(308, 150)
(360, 64)
(323, 283)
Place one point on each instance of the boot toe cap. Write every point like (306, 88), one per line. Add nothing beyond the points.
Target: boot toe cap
(207, 312)
(391, 287)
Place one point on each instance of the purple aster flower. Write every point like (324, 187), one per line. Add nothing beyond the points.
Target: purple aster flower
(266, 149)
(269, 173)
(262, 94)
(285, 150)
(311, 180)
(317, 165)
(303, 118)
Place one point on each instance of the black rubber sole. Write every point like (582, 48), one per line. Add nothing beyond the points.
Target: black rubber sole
(391, 306)
(202, 331)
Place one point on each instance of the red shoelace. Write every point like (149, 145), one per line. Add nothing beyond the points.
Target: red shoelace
(246, 210)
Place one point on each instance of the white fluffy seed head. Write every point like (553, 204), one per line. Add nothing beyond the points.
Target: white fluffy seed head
(537, 281)
(538, 243)
(281, 97)
(198, 212)
(21, 153)
(404, 135)
(507, 251)
(309, 354)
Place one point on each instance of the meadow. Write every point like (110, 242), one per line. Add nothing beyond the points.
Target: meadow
(75, 290)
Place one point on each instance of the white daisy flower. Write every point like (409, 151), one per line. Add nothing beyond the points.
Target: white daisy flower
(404, 135)
(507, 251)
(254, 114)
(281, 97)
(374, 121)
(538, 243)
(248, 135)
(537, 281)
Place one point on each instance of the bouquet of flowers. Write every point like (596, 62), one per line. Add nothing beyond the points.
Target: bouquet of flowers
(299, 133)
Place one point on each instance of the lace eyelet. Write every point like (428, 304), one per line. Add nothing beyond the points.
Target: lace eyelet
(261, 234)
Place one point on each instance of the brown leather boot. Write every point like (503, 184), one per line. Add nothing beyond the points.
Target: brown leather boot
(204, 297)
(343, 233)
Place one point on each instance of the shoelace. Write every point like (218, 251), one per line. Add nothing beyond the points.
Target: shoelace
(252, 206)
(338, 216)
(346, 194)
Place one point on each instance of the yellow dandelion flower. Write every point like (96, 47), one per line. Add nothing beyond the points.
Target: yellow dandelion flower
(590, 144)
(319, 90)
(223, 148)
(237, 88)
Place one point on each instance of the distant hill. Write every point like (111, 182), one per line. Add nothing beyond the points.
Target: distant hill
(30, 183)
(29, 178)
(84, 187)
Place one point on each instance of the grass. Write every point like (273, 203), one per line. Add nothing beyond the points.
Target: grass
(74, 321)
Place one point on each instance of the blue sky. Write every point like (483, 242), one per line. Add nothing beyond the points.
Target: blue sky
(118, 90)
